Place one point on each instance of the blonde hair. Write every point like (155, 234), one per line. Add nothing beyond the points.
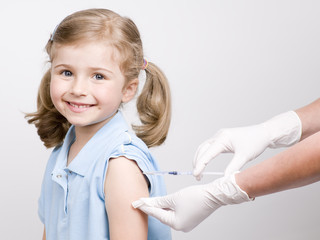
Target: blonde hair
(154, 102)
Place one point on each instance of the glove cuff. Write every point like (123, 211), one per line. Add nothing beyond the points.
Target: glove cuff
(244, 194)
(226, 191)
(284, 130)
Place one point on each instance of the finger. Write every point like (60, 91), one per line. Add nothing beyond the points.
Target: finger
(198, 176)
(137, 203)
(165, 216)
(203, 147)
(161, 208)
(219, 137)
(157, 202)
(205, 155)
(199, 168)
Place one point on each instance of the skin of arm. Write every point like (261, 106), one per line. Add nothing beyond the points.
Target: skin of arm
(125, 183)
(297, 166)
(44, 234)
(309, 116)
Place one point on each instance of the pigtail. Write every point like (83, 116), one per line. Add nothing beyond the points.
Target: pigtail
(52, 126)
(154, 108)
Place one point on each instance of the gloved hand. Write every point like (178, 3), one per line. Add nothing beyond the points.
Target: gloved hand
(185, 209)
(247, 143)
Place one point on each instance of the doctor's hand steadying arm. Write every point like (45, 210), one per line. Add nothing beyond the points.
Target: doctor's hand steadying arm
(185, 209)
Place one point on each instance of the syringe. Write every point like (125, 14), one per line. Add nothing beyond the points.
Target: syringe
(180, 173)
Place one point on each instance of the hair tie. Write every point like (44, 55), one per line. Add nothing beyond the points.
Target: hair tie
(145, 64)
(54, 32)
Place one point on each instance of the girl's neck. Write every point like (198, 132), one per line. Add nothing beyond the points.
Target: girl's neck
(83, 135)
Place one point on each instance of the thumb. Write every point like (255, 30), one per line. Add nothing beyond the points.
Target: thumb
(158, 207)
(157, 202)
(237, 162)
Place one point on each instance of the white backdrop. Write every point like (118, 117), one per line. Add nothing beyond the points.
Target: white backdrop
(229, 63)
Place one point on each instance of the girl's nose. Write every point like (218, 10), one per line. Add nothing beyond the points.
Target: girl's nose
(79, 87)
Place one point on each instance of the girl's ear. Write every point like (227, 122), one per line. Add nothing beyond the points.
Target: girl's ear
(130, 90)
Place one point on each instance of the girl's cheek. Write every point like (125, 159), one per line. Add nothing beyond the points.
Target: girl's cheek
(54, 92)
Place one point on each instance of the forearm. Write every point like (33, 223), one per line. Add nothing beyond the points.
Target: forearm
(295, 167)
(309, 116)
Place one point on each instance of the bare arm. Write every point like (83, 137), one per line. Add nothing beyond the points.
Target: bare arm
(295, 167)
(44, 234)
(125, 183)
(309, 116)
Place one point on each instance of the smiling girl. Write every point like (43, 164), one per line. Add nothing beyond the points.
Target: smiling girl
(95, 169)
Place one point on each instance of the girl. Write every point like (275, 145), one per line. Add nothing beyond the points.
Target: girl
(95, 169)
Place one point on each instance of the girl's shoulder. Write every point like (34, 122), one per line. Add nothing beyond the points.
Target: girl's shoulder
(129, 143)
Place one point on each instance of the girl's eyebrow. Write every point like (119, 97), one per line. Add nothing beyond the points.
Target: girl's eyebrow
(100, 69)
(62, 65)
(91, 68)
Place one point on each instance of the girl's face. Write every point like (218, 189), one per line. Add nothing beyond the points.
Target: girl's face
(87, 85)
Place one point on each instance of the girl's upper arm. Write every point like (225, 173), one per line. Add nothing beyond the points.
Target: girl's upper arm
(44, 234)
(124, 184)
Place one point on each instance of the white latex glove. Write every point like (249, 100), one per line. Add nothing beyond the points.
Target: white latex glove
(185, 209)
(247, 143)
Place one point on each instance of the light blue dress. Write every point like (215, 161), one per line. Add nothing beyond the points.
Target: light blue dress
(72, 201)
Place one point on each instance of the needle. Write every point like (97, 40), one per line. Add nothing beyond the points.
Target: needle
(180, 173)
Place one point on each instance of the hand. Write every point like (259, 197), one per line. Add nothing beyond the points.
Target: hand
(185, 209)
(247, 143)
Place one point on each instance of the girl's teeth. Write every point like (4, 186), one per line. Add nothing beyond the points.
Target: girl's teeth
(79, 106)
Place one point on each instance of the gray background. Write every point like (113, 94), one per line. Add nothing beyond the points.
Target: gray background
(229, 63)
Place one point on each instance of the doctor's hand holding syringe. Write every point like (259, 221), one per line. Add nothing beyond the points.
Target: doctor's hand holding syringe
(297, 166)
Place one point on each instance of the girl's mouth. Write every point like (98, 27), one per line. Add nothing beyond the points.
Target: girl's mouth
(79, 105)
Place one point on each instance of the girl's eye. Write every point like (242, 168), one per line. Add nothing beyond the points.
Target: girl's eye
(67, 73)
(99, 77)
